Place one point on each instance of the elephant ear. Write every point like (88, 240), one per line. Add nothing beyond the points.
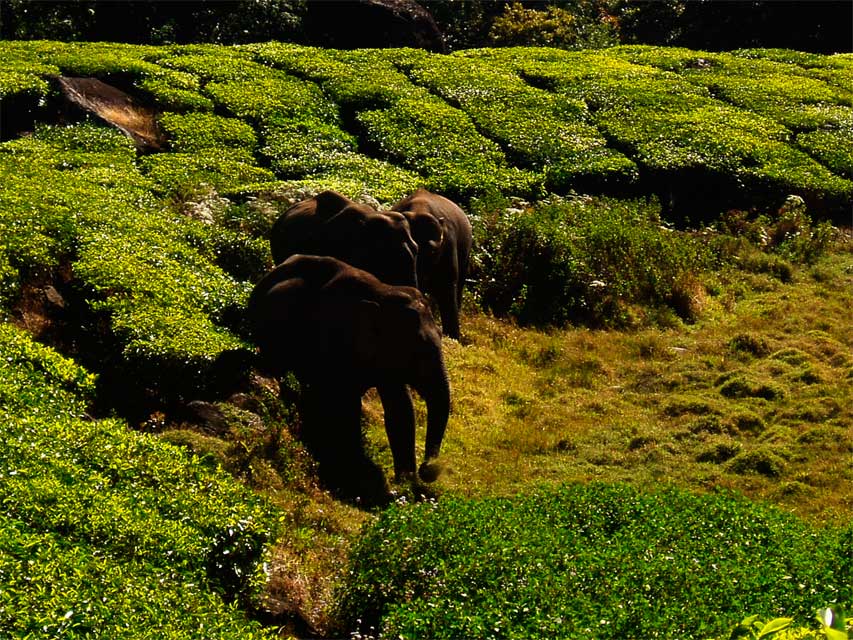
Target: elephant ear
(330, 204)
(344, 233)
(427, 230)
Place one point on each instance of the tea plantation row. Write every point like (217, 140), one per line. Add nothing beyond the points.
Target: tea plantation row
(701, 130)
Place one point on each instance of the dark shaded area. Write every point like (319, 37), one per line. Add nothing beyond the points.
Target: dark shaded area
(331, 431)
(820, 26)
(354, 24)
(153, 21)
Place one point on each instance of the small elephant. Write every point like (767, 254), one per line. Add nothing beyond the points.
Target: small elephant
(341, 331)
(330, 224)
(443, 234)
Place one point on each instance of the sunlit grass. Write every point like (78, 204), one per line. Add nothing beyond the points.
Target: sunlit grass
(758, 399)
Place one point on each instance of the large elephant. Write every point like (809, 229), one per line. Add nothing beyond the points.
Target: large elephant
(341, 331)
(443, 234)
(330, 224)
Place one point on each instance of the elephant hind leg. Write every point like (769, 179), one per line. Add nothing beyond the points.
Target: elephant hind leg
(448, 306)
(331, 431)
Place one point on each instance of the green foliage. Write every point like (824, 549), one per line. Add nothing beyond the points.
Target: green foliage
(224, 172)
(595, 560)
(197, 131)
(536, 128)
(579, 260)
(273, 99)
(831, 147)
(66, 198)
(553, 27)
(105, 531)
(429, 136)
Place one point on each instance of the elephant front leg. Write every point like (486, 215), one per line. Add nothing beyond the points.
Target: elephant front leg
(400, 427)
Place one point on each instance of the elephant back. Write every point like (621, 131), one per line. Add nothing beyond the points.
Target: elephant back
(298, 229)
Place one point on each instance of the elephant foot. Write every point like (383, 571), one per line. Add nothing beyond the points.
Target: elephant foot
(430, 470)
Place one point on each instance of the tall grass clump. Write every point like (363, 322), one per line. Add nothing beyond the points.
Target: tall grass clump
(603, 561)
(584, 261)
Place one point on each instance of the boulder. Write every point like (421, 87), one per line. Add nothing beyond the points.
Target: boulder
(115, 107)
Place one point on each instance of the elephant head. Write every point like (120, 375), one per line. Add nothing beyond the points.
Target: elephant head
(330, 224)
(341, 331)
(444, 237)
(428, 234)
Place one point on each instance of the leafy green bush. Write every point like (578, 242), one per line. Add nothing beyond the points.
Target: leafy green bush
(831, 147)
(443, 144)
(216, 64)
(175, 171)
(108, 531)
(536, 128)
(160, 304)
(604, 561)
(274, 99)
(197, 131)
(579, 260)
(553, 27)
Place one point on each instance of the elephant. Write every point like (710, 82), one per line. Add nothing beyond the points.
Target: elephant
(443, 234)
(341, 331)
(330, 224)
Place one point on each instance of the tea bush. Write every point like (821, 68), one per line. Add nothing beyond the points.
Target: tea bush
(604, 561)
(73, 194)
(579, 260)
(536, 129)
(98, 519)
(197, 131)
(223, 171)
(429, 136)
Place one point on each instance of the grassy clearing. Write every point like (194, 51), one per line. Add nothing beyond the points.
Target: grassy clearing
(755, 396)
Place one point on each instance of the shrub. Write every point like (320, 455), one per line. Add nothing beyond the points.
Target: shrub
(578, 260)
(831, 147)
(578, 561)
(105, 531)
(274, 99)
(158, 304)
(174, 90)
(175, 171)
(443, 144)
(217, 64)
(553, 27)
(536, 129)
(198, 131)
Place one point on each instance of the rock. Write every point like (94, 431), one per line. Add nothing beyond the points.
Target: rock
(208, 416)
(115, 107)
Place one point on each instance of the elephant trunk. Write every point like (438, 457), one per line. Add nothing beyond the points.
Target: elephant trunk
(436, 393)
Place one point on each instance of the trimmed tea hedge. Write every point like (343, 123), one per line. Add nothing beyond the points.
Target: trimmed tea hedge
(603, 561)
(73, 194)
(704, 131)
(108, 532)
(536, 129)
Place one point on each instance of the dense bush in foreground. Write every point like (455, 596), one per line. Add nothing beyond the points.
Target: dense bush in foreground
(598, 561)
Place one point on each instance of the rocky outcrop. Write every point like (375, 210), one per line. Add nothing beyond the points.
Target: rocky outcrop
(114, 106)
